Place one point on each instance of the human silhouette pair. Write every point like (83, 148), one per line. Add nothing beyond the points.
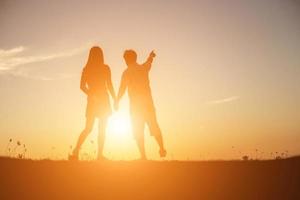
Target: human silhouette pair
(96, 84)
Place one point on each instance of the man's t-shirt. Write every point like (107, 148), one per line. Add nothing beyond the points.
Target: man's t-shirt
(136, 78)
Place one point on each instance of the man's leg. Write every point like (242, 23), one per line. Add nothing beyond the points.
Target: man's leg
(101, 137)
(88, 128)
(156, 132)
(138, 132)
(141, 145)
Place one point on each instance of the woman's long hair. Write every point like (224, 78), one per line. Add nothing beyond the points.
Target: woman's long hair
(95, 60)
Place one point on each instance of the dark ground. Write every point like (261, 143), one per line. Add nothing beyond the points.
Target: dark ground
(26, 179)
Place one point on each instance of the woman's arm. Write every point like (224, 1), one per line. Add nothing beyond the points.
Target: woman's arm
(83, 85)
(109, 85)
(122, 90)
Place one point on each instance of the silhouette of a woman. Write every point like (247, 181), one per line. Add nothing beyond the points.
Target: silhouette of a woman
(95, 83)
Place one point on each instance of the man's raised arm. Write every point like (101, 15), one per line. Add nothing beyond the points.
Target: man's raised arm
(149, 61)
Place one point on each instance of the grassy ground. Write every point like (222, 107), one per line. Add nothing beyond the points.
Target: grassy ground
(27, 179)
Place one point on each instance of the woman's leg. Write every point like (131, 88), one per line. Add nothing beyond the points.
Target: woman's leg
(101, 136)
(88, 128)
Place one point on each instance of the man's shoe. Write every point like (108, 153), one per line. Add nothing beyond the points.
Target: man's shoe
(162, 153)
(102, 158)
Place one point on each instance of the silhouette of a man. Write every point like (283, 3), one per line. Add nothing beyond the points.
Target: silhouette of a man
(142, 110)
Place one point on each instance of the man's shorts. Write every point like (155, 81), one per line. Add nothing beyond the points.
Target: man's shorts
(140, 118)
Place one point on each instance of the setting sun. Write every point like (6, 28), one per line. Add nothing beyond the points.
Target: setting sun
(119, 124)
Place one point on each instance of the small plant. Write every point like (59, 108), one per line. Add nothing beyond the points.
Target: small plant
(18, 151)
(256, 152)
(7, 149)
(14, 151)
(278, 158)
(70, 150)
(245, 158)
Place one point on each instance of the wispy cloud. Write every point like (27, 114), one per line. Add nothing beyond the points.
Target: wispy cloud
(9, 59)
(26, 75)
(11, 52)
(225, 100)
(12, 60)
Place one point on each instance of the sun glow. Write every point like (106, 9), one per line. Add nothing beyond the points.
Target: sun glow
(119, 124)
(120, 144)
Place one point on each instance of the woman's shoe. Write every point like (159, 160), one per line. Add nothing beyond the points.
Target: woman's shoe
(73, 157)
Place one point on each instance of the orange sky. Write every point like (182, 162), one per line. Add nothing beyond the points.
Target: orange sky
(225, 80)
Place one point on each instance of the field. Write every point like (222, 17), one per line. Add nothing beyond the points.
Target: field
(46, 179)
